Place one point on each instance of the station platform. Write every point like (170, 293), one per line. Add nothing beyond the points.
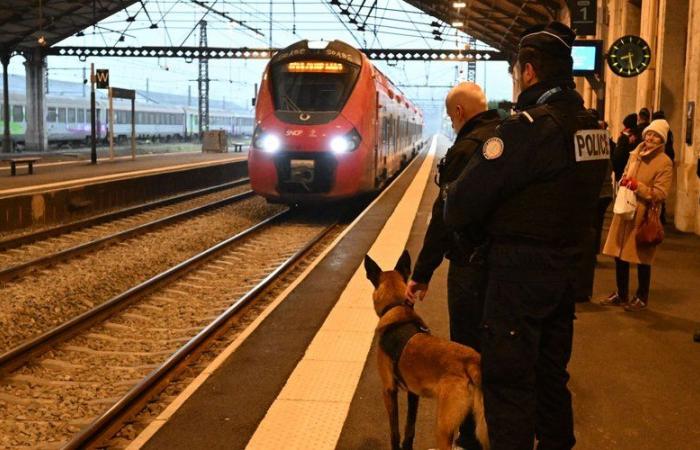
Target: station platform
(60, 174)
(62, 191)
(303, 375)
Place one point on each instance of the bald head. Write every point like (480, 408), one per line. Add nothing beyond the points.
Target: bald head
(463, 102)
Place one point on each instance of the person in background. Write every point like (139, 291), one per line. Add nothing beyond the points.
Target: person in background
(668, 149)
(648, 174)
(627, 142)
(643, 118)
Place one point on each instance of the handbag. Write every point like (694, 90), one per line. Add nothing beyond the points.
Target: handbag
(625, 203)
(650, 231)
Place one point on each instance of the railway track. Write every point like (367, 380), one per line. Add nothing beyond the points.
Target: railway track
(91, 373)
(23, 254)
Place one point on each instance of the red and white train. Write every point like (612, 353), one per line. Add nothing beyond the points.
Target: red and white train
(329, 125)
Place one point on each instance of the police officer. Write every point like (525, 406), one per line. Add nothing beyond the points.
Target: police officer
(466, 107)
(534, 187)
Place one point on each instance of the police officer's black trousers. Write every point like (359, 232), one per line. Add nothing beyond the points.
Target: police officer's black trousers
(465, 300)
(525, 347)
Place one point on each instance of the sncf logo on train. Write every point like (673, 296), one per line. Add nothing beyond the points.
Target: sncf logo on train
(590, 145)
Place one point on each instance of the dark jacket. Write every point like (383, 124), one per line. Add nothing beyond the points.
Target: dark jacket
(538, 189)
(627, 142)
(439, 242)
(669, 147)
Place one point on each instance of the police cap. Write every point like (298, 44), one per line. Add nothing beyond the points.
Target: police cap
(554, 38)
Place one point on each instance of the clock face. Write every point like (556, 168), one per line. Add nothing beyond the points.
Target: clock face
(629, 56)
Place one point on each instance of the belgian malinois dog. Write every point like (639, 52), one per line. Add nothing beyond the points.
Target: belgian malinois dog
(410, 358)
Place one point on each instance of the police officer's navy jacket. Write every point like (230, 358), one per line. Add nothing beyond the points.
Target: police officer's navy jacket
(530, 187)
(439, 241)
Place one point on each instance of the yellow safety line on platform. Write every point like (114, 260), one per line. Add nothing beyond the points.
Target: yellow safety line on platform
(311, 409)
(115, 176)
(164, 416)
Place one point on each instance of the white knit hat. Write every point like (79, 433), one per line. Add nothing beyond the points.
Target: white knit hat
(659, 126)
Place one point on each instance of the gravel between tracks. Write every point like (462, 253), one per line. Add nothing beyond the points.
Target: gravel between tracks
(49, 297)
(38, 249)
(47, 401)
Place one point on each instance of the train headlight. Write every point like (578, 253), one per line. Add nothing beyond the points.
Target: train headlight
(269, 143)
(345, 143)
(340, 144)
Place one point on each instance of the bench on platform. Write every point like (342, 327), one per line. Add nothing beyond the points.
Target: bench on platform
(237, 148)
(14, 161)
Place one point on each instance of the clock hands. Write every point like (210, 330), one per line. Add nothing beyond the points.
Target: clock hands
(628, 57)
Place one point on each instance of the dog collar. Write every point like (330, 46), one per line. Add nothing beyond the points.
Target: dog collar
(393, 305)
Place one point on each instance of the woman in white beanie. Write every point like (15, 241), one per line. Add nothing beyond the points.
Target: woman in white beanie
(648, 173)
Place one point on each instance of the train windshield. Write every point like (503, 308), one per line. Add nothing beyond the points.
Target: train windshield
(312, 86)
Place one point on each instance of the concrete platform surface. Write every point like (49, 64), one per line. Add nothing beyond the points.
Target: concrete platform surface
(52, 175)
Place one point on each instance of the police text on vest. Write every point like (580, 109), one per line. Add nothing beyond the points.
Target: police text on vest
(590, 145)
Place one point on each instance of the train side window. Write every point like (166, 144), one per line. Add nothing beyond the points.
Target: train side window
(81, 115)
(61, 115)
(51, 115)
(71, 115)
(17, 113)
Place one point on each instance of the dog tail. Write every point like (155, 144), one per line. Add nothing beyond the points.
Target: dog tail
(482, 432)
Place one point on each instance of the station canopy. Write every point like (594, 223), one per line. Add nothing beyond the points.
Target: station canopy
(23, 22)
(497, 23)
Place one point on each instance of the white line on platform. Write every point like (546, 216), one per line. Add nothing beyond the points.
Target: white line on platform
(84, 161)
(310, 411)
(162, 419)
(115, 176)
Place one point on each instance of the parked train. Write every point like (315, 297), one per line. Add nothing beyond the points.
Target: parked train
(329, 125)
(68, 120)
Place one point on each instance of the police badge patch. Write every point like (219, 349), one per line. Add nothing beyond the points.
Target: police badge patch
(493, 148)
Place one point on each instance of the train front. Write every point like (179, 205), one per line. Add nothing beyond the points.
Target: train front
(314, 133)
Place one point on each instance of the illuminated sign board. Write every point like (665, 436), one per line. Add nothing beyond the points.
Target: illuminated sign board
(315, 67)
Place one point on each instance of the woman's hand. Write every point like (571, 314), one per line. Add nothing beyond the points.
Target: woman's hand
(630, 183)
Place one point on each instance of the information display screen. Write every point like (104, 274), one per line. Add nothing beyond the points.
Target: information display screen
(587, 56)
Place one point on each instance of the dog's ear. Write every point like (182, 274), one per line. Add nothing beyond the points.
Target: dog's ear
(373, 271)
(403, 266)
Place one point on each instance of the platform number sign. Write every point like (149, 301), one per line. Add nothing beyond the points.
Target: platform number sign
(102, 78)
(584, 14)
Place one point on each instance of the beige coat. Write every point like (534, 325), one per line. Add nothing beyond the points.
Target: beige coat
(654, 172)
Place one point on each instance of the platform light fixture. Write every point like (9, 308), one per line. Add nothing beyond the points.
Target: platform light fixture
(457, 23)
(458, 5)
(42, 40)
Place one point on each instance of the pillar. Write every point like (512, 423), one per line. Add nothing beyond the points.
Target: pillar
(669, 82)
(687, 215)
(649, 31)
(6, 139)
(35, 138)
(620, 93)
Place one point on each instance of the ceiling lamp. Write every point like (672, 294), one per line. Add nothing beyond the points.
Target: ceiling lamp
(458, 23)
(459, 5)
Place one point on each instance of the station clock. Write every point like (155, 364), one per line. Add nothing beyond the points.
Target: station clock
(629, 56)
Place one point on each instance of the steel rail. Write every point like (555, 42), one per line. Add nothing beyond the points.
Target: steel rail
(111, 420)
(18, 241)
(53, 258)
(17, 356)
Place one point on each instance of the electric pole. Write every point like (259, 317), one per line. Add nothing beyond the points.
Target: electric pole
(203, 81)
